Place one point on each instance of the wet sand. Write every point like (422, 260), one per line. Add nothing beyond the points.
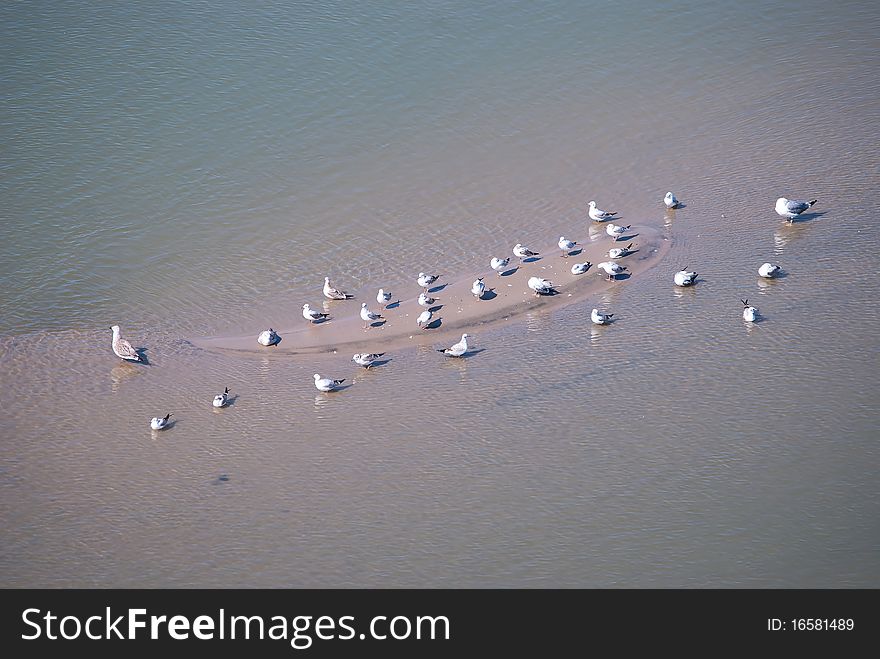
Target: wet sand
(456, 310)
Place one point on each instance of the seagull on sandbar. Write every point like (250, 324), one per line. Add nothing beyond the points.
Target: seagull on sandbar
(159, 423)
(566, 245)
(426, 300)
(750, 313)
(268, 337)
(612, 269)
(523, 252)
(598, 215)
(326, 384)
(684, 278)
(368, 316)
(768, 270)
(600, 318)
(616, 230)
(424, 319)
(791, 208)
(498, 265)
(313, 315)
(478, 288)
(619, 252)
(221, 400)
(332, 293)
(580, 268)
(541, 286)
(426, 280)
(458, 349)
(383, 298)
(670, 200)
(123, 349)
(366, 359)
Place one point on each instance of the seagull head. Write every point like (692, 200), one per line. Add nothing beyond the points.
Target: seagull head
(465, 336)
(115, 328)
(317, 377)
(326, 280)
(592, 204)
(363, 305)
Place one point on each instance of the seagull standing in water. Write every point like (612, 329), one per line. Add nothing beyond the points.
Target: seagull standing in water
(426, 280)
(157, 423)
(612, 269)
(424, 319)
(458, 349)
(580, 268)
(750, 313)
(768, 270)
(383, 298)
(670, 200)
(332, 293)
(521, 252)
(122, 348)
(566, 245)
(598, 215)
(366, 359)
(426, 300)
(313, 315)
(498, 265)
(619, 252)
(791, 208)
(600, 318)
(368, 316)
(684, 278)
(478, 288)
(616, 230)
(221, 400)
(326, 384)
(268, 337)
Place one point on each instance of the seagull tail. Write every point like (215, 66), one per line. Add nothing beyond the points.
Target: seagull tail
(813, 202)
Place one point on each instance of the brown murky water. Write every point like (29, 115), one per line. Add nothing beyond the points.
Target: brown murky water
(208, 189)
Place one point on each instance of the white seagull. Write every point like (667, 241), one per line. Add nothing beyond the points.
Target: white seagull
(268, 337)
(157, 423)
(478, 288)
(541, 286)
(426, 280)
(326, 384)
(566, 245)
(498, 265)
(368, 316)
(612, 269)
(791, 208)
(616, 230)
(123, 349)
(383, 298)
(768, 270)
(670, 200)
(312, 315)
(619, 252)
(366, 359)
(598, 215)
(220, 400)
(424, 318)
(426, 300)
(521, 252)
(580, 268)
(684, 278)
(600, 318)
(334, 293)
(458, 349)
(750, 313)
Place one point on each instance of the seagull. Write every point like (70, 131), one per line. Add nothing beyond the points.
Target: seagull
(616, 230)
(157, 423)
(312, 315)
(424, 318)
(600, 318)
(619, 252)
(478, 288)
(426, 280)
(612, 269)
(220, 400)
(580, 268)
(458, 349)
(498, 265)
(791, 208)
(541, 286)
(326, 384)
(684, 278)
(368, 316)
(366, 359)
(383, 298)
(268, 337)
(670, 200)
(566, 245)
(123, 348)
(522, 252)
(334, 293)
(750, 314)
(425, 300)
(598, 215)
(768, 270)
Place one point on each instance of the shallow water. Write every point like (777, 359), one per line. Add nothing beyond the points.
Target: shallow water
(201, 174)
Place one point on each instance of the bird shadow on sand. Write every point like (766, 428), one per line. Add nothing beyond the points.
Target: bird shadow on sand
(319, 321)
(437, 289)
(628, 236)
(489, 294)
(435, 308)
(531, 259)
(549, 293)
(509, 272)
(378, 323)
(623, 276)
(434, 324)
(576, 252)
(394, 305)
(377, 363)
(807, 217)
